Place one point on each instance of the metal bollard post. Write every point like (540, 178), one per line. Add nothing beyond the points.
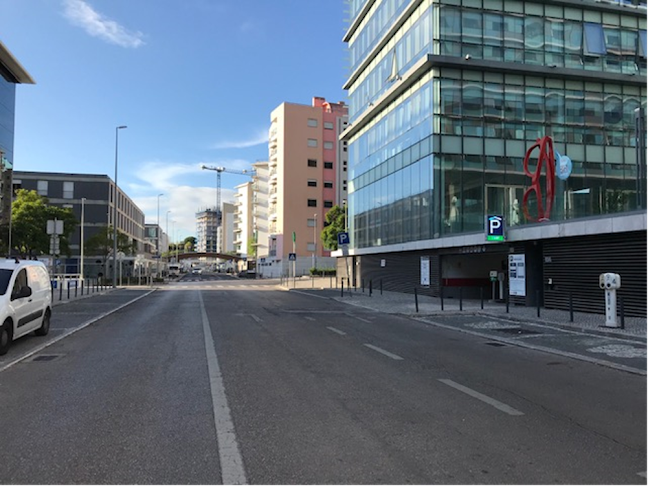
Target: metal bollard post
(460, 298)
(481, 295)
(76, 290)
(82, 282)
(441, 295)
(571, 307)
(60, 290)
(342, 288)
(622, 311)
(370, 287)
(538, 302)
(363, 285)
(507, 302)
(68, 289)
(416, 299)
(381, 286)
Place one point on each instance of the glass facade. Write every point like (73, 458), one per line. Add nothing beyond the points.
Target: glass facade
(448, 147)
(7, 116)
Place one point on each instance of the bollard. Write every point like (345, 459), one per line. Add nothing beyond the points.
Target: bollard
(481, 295)
(416, 299)
(507, 302)
(76, 290)
(538, 302)
(68, 292)
(381, 286)
(460, 298)
(82, 282)
(363, 285)
(342, 288)
(60, 290)
(571, 307)
(441, 295)
(52, 288)
(621, 310)
(370, 287)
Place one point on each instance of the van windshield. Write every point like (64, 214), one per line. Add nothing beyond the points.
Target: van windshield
(5, 276)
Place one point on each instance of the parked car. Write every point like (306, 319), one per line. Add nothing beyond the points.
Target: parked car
(25, 300)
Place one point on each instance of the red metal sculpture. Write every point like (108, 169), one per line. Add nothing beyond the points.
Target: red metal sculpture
(545, 144)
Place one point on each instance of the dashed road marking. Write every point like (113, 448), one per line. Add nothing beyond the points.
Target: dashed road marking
(484, 398)
(309, 318)
(337, 331)
(382, 351)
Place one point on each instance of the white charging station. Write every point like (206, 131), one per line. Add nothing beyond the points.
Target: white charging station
(610, 282)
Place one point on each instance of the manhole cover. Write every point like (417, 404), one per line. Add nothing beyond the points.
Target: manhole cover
(46, 357)
(516, 331)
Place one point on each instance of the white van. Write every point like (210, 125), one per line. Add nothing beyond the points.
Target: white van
(25, 300)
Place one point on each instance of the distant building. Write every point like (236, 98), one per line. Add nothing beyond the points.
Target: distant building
(207, 222)
(11, 73)
(307, 177)
(226, 229)
(95, 195)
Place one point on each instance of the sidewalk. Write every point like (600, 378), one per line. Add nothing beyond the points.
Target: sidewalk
(400, 303)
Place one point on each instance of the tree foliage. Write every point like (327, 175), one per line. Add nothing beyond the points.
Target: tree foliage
(190, 243)
(334, 224)
(30, 213)
(102, 243)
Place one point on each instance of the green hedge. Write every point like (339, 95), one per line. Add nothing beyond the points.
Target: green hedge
(322, 272)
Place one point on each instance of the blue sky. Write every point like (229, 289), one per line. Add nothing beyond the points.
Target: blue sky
(194, 81)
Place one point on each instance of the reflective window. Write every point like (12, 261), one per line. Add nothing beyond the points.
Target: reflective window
(594, 44)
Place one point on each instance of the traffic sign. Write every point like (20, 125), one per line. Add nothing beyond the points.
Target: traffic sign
(343, 238)
(494, 228)
(292, 257)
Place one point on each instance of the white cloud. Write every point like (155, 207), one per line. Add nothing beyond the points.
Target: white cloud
(79, 13)
(180, 197)
(258, 139)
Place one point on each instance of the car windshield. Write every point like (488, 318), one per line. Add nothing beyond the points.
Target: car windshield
(5, 276)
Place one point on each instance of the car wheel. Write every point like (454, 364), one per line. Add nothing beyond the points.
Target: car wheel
(6, 333)
(44, 329)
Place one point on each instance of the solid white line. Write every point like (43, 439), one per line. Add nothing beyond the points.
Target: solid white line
(231, 462)
(337, 331)
(309, 318)
(491, 401)
(363, 320)
(642, 474)
(382, 351)
(71, 331)
(256, 318)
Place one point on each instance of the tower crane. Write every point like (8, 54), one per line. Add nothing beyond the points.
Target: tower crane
(219, 171)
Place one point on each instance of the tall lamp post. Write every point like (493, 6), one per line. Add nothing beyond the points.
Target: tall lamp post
(114, 282)
(157, 235)
(315, 241)
(83, 200)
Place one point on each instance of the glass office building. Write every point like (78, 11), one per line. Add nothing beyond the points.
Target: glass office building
(446, 97)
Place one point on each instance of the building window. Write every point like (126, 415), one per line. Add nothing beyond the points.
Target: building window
(594, 44)
(312, 203)
(312, 122)
(68, 190)
(328, 204)
(328, 125)
(41, 188)
(328, 145)
(313, 163)
(328, 165)
(312, 183)
(328, 185)
(312, 142)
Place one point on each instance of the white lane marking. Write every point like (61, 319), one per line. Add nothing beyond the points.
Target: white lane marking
(309, 318)
(71, 331)
(337, 331)
(256, 318)
(363, 320)
(382, 351)
(231, 462)
(642, 474)
(479, 396)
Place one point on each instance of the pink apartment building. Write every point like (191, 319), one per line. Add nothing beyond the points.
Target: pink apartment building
(307, 177)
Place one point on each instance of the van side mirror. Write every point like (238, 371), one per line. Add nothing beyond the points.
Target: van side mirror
(25, 291)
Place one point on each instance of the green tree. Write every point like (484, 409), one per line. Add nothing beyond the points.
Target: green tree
(101, 244)
(334, 223)
(189, 243)
(30, 213)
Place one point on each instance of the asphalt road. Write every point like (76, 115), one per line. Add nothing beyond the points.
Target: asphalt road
(235, 381)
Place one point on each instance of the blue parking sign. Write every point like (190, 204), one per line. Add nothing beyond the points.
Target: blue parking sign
(343, 238)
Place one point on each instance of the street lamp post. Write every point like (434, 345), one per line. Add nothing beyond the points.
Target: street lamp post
(315, 242)
(157, 235)
(83, 200)
(115, 206)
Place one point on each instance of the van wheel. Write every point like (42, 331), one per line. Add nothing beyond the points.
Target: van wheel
(6, 334)
(44, 329)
